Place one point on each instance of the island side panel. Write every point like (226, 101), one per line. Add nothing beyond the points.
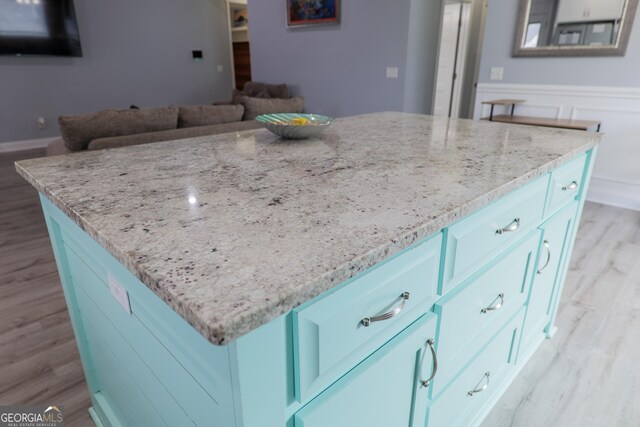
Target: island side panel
(166, 362)
(55, 235)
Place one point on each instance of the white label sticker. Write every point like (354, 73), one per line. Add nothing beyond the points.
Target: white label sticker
(120, 293)
(599, 28)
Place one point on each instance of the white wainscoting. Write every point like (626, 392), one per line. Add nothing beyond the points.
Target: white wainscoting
(616, 176)
(27, 144)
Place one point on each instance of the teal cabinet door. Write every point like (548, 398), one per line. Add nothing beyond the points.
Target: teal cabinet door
(384, 390)
(551, 261)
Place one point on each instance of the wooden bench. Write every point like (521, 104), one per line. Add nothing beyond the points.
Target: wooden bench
(537, 121)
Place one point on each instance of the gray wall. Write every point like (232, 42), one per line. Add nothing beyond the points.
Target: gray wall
(341, 69)
(135, 52)
(595, 71)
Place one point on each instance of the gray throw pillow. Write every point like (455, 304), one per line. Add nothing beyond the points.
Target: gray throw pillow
(79, 130)
(236, 97)
(205, 115)
(253, 107)
(254, 89)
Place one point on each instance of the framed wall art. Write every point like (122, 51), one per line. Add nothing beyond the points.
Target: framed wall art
(303, 13)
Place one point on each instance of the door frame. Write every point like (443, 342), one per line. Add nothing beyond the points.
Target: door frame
(475, 73)
(232, 68)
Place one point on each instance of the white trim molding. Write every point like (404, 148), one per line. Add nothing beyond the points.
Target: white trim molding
(615, 193)
(562, 90)
(27, 144)
(616, 177)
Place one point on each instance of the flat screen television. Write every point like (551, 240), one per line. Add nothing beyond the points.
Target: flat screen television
(39, 27)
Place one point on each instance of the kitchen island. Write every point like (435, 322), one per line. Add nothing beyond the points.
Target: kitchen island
(398, 270)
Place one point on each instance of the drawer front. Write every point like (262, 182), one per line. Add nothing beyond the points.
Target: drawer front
(149, 363)
(329, 334)
(382, 391)
(476, 384)
(566, 185)
(486, 301)
(476, 239)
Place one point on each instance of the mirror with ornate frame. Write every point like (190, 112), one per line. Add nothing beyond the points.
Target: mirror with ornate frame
(574, 27)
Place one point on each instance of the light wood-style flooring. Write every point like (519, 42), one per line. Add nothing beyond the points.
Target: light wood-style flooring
(39, 363)
(587, 375)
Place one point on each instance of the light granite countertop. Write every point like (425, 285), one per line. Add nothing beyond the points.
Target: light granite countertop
(234, 230)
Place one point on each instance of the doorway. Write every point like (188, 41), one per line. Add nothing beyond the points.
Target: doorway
(459, 52)
(239, 36)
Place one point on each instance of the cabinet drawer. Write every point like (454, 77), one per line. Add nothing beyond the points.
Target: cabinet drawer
(384, 390)
(148, 363)
(477, 383)
(485, 301)
(476, 239)
(329, 335)
(566, 185)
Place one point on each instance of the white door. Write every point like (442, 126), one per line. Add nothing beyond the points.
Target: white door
(452, 46)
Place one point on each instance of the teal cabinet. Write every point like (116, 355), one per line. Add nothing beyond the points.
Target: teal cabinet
(553, 252)
(473, 312)
(384, 390)
(475, 240)
(477, 297)
(479, 383)
(330, 335)
(567, 183)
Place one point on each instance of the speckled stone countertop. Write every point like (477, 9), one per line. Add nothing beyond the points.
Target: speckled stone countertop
(234, 230)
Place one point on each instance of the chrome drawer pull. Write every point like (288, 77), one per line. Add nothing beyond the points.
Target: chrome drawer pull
(369, 320)
(495, 307)
(482, 388)
(425, 383)
(546, 246)
(515, 224)
(572, 186)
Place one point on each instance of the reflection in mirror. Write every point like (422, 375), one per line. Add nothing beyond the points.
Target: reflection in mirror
(597, 27)
(573, 22)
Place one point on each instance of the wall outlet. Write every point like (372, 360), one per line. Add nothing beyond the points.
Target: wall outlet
(497, 73)
(220, 68)
(42, 123)
(119, 293)
(392, 72)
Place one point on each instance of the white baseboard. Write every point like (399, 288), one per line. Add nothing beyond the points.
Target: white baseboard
(27, 144)
(614, 193)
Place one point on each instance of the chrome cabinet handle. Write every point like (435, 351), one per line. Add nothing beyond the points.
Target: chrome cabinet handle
(425, 383)
(515, 224)
(496, 306)
(369, 320)
(572, 186)
(481, 388)
(546, 246)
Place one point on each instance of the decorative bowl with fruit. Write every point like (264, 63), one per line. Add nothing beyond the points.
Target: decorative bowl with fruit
(295, 126)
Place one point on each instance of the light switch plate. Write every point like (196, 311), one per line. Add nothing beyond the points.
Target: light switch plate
(497, 73)
(392, 72)
(220, 68)
(119, 293)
